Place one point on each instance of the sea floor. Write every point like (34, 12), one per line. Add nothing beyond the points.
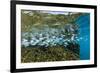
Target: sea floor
(32, 54)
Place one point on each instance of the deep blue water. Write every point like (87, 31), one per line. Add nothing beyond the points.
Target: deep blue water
(84, 36)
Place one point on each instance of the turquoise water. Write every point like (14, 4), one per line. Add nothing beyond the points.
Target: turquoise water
(84, 36)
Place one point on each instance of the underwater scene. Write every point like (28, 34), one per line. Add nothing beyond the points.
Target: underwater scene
(54, 36)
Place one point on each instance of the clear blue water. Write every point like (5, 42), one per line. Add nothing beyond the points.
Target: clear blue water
(84, 37)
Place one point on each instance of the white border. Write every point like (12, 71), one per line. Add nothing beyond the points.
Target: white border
(20, 65)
